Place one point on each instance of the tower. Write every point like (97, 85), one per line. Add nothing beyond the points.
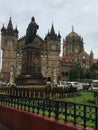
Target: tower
(9, 38)
(53, 51)
(91, 57)
(73, 44)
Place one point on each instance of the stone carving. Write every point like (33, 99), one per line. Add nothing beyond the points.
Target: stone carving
(31, 31)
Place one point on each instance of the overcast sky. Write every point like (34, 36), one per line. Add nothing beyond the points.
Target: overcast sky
(82, 14)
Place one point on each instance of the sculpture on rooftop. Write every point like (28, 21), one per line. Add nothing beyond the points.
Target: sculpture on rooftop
(31, 31)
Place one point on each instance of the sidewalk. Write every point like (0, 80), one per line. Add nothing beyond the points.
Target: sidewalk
(2, 127)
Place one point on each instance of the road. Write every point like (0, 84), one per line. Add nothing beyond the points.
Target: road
(2, 127)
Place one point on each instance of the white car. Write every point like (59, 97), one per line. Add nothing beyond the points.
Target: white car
(64, 84)
(67, 84)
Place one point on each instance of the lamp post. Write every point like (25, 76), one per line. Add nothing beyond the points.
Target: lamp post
(54, 78)
(52, 71)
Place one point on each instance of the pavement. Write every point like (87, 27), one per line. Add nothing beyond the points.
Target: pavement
(3, 127)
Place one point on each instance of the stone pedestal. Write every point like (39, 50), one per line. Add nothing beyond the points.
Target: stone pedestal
(31, 66)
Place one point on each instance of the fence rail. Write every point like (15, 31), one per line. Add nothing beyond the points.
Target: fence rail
(28, 91)
(85, 115)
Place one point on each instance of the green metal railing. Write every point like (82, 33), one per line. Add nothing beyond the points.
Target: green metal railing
(82, 114)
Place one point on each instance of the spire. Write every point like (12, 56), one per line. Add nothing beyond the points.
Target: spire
(52, 29)
(48, 32)
(91, 52)
(52, 35)
(16, 30)
(59, 36)
(10, 26)
(3, 28)
(72, 29)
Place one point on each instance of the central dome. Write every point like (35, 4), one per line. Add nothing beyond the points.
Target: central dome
(72, 34)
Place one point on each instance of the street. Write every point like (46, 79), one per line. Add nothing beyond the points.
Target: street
(2, 127)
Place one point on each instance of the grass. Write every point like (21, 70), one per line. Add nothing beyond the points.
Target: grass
(83, 97)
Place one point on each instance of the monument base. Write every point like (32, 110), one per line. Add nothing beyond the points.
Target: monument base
(31, 66)
(30, 80)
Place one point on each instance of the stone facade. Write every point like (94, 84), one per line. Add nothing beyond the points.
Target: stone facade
(53, 67)
(52, 41)
(9, 38)
(12, 52)
(73, 52)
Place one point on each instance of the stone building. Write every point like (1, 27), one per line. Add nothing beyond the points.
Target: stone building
(52, 41)
(12, 52)
(73, 52)
(53, 66)
(9, 38)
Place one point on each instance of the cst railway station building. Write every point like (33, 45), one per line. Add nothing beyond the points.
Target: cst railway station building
(52, 65)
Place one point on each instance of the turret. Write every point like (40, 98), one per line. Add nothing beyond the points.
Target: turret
(16, 32)
(91, 57)
(10, 27)
(52, 35)
(9, 31)
(59, 36)
(3, 30)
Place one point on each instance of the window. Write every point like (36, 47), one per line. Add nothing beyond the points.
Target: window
(9, 42)
(53, 47)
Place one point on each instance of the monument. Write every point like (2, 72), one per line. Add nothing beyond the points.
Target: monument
(31, 59)
(31, 31)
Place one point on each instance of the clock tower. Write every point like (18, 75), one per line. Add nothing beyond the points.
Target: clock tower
(9, 38)
(53, 51)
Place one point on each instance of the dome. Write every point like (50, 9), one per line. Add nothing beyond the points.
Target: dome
(73, 34)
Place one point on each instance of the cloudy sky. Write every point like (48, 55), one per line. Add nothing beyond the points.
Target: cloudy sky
(82, 14)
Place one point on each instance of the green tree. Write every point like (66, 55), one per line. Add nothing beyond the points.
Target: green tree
(76, 72)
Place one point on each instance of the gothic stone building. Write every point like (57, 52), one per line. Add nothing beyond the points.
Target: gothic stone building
(53, 66)
(12, 52)
(73, 52)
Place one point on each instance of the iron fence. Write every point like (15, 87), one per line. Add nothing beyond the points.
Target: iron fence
(82, 114)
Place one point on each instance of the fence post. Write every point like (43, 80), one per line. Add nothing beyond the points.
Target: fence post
(56, 109)
(96, 125)
(75, 98)
(96, 100)
(84, 100)
(84, 111)
(38, 94)
(96, 122)
(34, 94)
(66, 97)
(74, 109)
(58, 95)
(50, 96)
(44, 95)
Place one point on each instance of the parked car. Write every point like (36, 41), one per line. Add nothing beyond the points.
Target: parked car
(78, 85)
(70, 84)
(2, 84)
(85, 85)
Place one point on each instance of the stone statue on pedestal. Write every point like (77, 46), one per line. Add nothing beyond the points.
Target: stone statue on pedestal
(31, 59)
(12, 77)
(31, 31)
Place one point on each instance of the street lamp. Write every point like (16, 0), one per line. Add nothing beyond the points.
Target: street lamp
(52, 71)
(54, 78)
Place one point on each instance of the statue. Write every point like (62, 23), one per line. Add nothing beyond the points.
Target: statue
(31, 31)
